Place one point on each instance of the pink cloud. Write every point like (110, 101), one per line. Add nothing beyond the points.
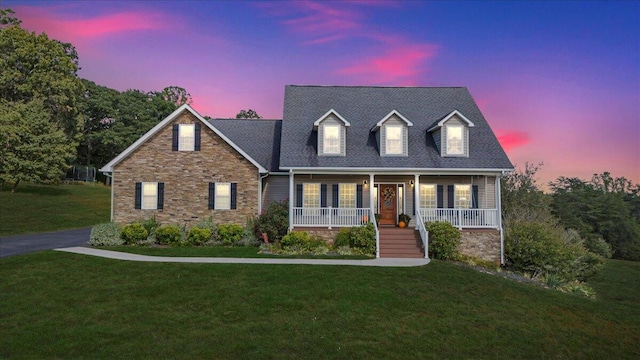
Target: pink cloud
(398, 65)
(512, 139)
(60, 26)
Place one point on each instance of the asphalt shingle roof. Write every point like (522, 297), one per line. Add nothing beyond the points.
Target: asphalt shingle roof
(260, 139)
(363, 107)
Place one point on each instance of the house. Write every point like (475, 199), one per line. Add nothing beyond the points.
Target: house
(341, 155)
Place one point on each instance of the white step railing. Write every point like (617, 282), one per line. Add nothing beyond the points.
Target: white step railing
(424, 235)
(329, 217)
(462, 218)
(372, 219)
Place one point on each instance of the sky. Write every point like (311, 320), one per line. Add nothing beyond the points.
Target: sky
(559, 82)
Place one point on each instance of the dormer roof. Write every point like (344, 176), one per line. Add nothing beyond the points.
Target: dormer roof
(389, 115)
(326, 115)
(449, 116)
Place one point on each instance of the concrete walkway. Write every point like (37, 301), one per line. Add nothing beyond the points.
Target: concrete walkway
(135, 257)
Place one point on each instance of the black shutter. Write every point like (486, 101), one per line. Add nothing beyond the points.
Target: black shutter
(323, 195)
(176, 136)
(160, 196)
(212, 196)
(440, 197)
(474, 197)
(299, 195)
(234, 195)
(197, 137)
(138, 196)
(450, 198)
(359, 196)
(334, 196)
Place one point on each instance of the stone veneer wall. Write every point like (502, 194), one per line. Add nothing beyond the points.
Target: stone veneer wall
(325, 234)
(481, 243)
(186, 176)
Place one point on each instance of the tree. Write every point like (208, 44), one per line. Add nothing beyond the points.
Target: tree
(176, 95)
(31, 147)
(248, 114)
(7, 18)
(522, 200)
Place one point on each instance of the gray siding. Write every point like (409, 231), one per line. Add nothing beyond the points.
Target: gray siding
(332, 120)
(437, 138)
(486, 190)
(274, 188)
(329, 180)
(394, 120)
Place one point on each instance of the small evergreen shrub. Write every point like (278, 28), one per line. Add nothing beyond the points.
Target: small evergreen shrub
(343, 238)
(229, 234)
(168, 235)
(444, 239)
(133, 233)
(107, 234)
(151, 224)
(360, 240)
(295, 240)
(597, 245)
(274, 222)
(198, 236)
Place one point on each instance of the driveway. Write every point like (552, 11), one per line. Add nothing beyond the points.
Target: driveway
(22, 244)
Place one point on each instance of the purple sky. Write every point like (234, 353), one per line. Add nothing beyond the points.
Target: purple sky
(559, 82)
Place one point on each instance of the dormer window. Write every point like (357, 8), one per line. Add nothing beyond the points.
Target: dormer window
(393, 140)
(451, 135)
(332, 133)
(392, 134)
(455, 145)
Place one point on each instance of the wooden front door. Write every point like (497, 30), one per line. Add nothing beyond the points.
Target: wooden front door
(388, 204)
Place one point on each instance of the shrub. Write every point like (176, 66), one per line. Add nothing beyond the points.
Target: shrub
(198, 236)
(343, 238)
(364, 239)
(151, 224)
(133, 233)
(229, 234)
(444, 239)
(274, 222)
(107, 234)
(597, 245)
(295, 240)
(249, 237)
(168, 235)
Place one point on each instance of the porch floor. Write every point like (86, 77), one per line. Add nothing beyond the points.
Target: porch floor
(398, 242)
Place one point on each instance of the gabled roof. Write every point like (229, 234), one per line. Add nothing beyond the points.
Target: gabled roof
(452, 114)
(123, 155)
(364, 106)
(392, 113)
(317, 122)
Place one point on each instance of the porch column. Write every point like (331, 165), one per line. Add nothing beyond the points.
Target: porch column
(499, 219)
(291, 200)
(416, 198)
(371, 204)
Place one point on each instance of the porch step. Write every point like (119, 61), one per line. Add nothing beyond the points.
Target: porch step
(400, 243)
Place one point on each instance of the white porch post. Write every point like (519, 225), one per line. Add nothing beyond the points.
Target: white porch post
(416, 197)
(371, 204)
(291, 199)
(499, 219)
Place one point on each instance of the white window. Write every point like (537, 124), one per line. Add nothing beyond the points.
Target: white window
(455, 143)
(187, 136)
(462, 196)
(311, 195)
(427, 196)
(347, 195)
(394, 139)
(223, 196)
(331, 141)
(149, 195)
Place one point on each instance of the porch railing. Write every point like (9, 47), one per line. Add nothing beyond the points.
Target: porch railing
(462, 218)
(372, 219)
(329, 217)
(424, 235)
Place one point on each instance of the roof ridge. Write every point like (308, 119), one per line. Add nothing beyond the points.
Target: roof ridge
(378, 87)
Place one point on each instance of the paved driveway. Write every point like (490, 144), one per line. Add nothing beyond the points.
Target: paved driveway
(22, 244)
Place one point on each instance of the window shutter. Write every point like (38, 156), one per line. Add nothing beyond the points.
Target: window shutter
(299, 195)
(212, 196)
(160, 196)
(334, 196)
(440, 197)
(176, 136)
(474, 196)
(359, 196)
(138, 196)
(234, 195)
(197, 137)
(323, 195)
(450, 196)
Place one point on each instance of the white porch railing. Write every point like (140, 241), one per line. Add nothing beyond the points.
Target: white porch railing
(462, 218)
(329, 217)
(424, 235)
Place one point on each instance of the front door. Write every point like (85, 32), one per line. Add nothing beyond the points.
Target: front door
(388, 204)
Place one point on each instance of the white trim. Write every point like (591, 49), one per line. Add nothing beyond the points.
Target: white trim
(110, 165)
(395, 171)
(393, 112)
(291, 185)
(386, 142)
(317, 122)
(218, 206)
(452, 114)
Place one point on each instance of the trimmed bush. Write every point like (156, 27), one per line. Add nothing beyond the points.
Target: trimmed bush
(301, 242)
(444, 239)
(229, 234)
(360, 239)
(198, 236)
(107, 234)
(343, 238)
(168, 235)
(133, 233)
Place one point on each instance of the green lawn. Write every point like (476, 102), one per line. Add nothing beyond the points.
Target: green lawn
(38, 208)
(61, 305)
